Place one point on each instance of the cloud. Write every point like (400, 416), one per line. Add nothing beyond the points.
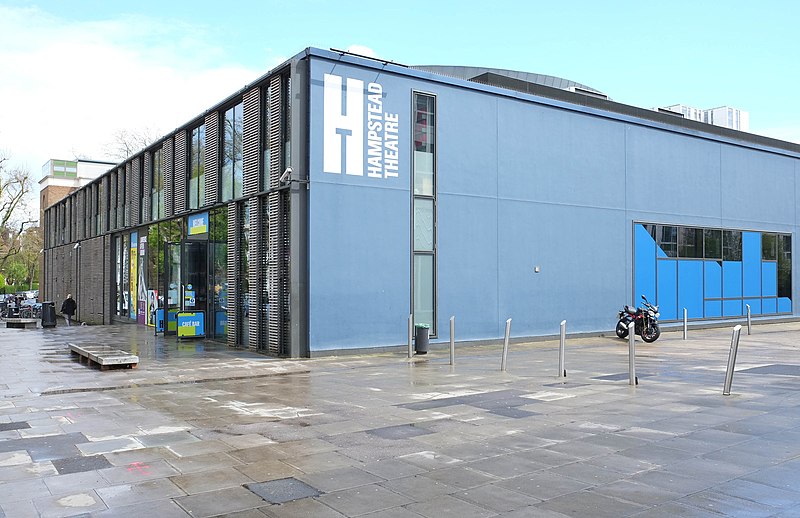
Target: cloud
(362, 50)
(67, 86)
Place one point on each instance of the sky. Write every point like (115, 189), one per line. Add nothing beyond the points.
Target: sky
(74, 72)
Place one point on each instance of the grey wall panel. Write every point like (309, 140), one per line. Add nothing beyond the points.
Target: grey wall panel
(180, 172)
(211, 158)
(251, 145)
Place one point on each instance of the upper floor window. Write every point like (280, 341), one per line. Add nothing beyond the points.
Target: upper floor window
(196, 186)
(156, 186)
(232, 165)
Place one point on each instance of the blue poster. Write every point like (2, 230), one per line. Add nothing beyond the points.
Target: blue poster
(191, 324)
(198, 224)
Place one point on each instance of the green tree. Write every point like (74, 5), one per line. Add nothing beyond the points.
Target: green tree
(16, 272)
(15, 218)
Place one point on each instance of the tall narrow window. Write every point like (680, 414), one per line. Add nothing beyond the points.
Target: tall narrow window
(424, 212)
(232, 170)
(156, 187)
(197, 178)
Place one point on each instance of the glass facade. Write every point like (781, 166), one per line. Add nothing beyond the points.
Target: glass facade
(424, 211)
(713, 273)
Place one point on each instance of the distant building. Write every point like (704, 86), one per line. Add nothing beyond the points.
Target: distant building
(61, 177)
(727, 117)
(724, 116)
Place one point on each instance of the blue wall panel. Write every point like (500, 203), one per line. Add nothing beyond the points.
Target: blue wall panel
(359, 268)
(755, 306)
(746, 194)
(656, 177)
(690, 288)
(645, 264)
(784, 305)
(769, 306)
(578, 263)
(732, 308)
(712, 279)
(467, 256)
(667, 289)
(731, 279)
(751, 264)
(713, 308)
(547, 157)
(769, 279)
(523, 184)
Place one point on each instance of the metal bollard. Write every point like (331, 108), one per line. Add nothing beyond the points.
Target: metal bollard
(726, 390)
(452, 340)
(685, 324)
(410, 332)
(562, 372)
(505, 345)
(632, 379)
(749, 324)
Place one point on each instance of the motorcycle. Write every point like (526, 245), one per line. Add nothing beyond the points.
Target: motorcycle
(645, 319)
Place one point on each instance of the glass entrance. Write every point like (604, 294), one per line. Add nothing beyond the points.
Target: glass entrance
(186, 280)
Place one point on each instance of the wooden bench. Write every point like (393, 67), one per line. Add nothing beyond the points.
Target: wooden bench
(22, 323)
(104, 356)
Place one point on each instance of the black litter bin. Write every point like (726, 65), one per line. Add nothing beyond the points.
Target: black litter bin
(48, 314)
(421, 338)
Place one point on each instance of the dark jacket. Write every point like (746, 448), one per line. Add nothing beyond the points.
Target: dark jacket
(69, 306)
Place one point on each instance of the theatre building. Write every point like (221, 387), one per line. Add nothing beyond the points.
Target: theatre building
(316, 209)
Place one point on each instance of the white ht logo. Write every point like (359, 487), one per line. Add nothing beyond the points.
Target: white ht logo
(343, 126)
(345, 120)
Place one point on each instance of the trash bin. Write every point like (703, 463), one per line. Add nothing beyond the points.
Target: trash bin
(48, 314)
(421, 338)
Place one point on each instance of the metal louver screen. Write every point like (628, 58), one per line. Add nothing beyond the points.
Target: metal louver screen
(104, 194)
(128, 199)
(169, 178)
(211, 158)
(180, 172)
(148, 186)
(254, 273)
(233, 253)
(276, 342)
(263, 279)
(135, 194)
(251, 107)
(112, 201)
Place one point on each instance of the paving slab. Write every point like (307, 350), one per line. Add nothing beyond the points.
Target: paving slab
(384, 436)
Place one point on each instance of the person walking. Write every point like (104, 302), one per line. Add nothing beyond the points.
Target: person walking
(68, 308)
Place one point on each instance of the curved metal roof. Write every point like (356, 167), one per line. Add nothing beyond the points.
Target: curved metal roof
(469, 73)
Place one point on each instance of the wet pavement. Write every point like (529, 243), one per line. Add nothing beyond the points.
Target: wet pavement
(199, 429)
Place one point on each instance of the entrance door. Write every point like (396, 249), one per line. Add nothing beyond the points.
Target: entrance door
(186, 277)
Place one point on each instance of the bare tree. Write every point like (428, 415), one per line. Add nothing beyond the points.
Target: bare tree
(126, 142)
(15, 185)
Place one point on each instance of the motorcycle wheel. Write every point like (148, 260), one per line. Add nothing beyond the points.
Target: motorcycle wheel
(651, 333)
(621, 330)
